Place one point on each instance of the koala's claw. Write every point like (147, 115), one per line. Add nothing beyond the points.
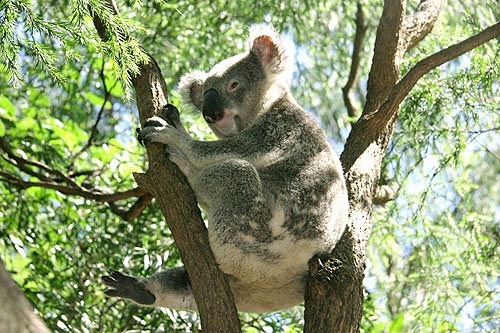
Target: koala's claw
(152, 125)
(172, 113)
(144, 135)
(127, 287)
(138, 132)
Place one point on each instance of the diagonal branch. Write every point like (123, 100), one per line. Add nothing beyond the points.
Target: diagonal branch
(361, 27)
(134, 211)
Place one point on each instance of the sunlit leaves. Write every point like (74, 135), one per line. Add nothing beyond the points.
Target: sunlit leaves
(27, 31)
(432, 239)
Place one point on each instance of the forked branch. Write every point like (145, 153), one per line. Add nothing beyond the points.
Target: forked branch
(419, 24)
(378, 120)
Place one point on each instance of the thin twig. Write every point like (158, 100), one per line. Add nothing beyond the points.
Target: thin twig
(93, 131)
(361, 27)
(66, 185)
(22, 164)
(93, 193)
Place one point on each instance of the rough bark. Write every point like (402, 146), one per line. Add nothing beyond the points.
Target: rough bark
(334, 298)
(16, 313)
(178, 204)
(361, 161)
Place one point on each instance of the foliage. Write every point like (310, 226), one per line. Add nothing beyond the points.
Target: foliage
(63, 102)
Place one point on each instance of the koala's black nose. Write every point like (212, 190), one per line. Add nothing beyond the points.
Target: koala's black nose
(212, 106)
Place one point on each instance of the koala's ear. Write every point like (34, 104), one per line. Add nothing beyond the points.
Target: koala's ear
(265, 43)
(191, 88)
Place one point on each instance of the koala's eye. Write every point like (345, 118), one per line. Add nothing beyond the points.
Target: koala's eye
(233, 85)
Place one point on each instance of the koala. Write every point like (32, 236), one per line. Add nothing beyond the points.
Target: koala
(271, 185)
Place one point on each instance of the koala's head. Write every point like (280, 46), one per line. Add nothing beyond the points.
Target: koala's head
(239, 89)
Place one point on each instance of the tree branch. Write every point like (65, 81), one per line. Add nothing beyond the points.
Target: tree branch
(93, 131)
(361, 27)
(93, 193)
(384, 72)
(134, 211)
(66, 185)
(386, 193)
(23, 163)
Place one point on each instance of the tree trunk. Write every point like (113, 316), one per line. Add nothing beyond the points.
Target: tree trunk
(16, 312)
(210, 286)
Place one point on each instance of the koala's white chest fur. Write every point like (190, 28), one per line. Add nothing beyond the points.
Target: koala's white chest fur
(265, 286)
(268, 284)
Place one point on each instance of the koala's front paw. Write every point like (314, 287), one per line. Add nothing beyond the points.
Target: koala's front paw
(127, 287)
(151, 128)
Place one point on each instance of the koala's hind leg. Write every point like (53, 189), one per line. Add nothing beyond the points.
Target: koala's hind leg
(169, 289)
(232, 194)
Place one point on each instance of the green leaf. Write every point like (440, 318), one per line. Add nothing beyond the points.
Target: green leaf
(95, 99)
(396, 326)
(63, 132)
(7, 108)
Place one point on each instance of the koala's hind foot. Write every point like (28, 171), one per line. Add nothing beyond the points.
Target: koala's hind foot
(125, 286)
(170, 289)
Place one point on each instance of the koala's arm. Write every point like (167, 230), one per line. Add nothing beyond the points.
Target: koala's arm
(269, 139)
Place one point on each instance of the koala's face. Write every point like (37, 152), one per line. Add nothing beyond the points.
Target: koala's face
(232, 95)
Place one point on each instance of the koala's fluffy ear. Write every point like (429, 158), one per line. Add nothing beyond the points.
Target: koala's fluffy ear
(191, 88)
(266, 44)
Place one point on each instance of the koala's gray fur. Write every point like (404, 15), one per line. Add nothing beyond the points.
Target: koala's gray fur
(272, 187)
